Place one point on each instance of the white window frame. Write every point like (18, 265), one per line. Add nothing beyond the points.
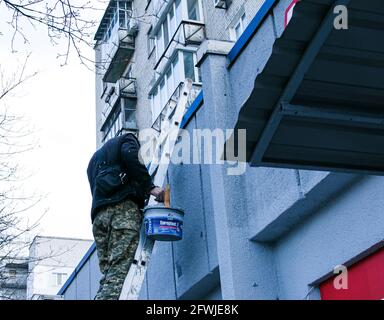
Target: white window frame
(63, 278)
(161, 47)
(240, 21)
(171, 84)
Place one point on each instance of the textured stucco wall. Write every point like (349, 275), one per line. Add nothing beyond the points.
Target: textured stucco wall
(221, 20)
(346, 226)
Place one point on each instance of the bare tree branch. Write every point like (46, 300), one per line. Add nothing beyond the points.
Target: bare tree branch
(68, 19)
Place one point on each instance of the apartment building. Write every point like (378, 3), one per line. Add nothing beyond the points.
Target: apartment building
(13, 278)
(50, 262)
(307, 206)
(36, 269)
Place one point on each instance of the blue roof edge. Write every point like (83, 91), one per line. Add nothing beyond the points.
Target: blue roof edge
(75, 272)
(196, 104)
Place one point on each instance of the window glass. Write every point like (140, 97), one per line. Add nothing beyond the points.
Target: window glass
(60, 278)
(160, 43)
(172, 21)
(239, 27)
(200, 79)
(151, 45)
(170, 83)
(121, 121)
(163, 93)
(157, 102)
(12, 273)
(130, 119)
(238, 30)
(189, 67)
(122, 19)
(178, 12)
(166, 33)
(176, 72)
(193, 9)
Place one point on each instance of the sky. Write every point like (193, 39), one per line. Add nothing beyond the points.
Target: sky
(59, 105)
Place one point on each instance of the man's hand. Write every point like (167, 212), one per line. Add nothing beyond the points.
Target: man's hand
(158, 193)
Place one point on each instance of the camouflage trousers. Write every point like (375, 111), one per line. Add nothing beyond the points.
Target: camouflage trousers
(116, 230)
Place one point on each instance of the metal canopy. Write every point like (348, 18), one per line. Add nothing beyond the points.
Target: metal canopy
(319, 102)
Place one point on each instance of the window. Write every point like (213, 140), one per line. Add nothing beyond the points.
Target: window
(172, 19)
(123, 117)
(177, 74)
(169, 77)
(151, 45)
(120, 16)
(12, 273)
(193, 10)
(189, 67)
(129, 115)
(181, 67)
(59, 278)
(112, 126)
(159, 43)
(179, 10)
(166, 33)
(163, 93)
(129, 73)
(238, 28)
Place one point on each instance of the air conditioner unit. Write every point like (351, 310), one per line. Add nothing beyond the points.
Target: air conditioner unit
(222, 4)
(133, 28)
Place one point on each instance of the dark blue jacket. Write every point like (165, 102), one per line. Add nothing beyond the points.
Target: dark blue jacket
(121, 150)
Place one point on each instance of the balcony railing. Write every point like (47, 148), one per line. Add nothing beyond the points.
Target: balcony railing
(174, 98)
(187, 33)
(127, 87)
(116, 54)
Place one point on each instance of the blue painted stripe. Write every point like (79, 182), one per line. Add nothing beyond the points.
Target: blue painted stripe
(192, 110)
(250, 31)
(75, 272)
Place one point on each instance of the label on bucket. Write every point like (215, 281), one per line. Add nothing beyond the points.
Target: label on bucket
(162, 227)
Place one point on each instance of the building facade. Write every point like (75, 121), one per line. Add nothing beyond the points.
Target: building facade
(276, 230)
(50, 263)
(13, 279)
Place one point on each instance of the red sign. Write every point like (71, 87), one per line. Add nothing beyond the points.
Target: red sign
(365, 281)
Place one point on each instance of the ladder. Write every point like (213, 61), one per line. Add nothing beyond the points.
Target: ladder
(170, 129)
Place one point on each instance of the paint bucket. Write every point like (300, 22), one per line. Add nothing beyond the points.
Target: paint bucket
(163, 224)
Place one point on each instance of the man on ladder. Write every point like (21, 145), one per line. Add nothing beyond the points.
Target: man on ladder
(120, 185)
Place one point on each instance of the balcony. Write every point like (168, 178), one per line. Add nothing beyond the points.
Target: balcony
(115, 38)
(174, 99)
(124, 88)
(116, 54)
(121, 118)
(188, 33)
